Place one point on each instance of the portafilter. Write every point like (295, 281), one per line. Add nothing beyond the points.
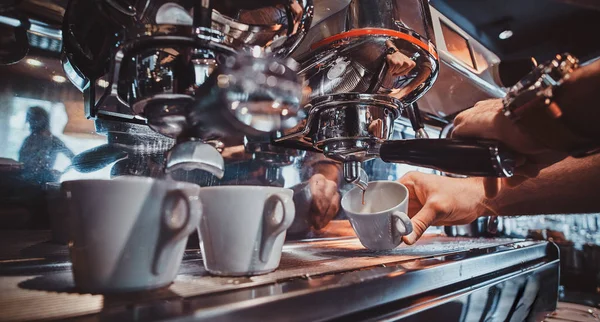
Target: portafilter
(353, 128)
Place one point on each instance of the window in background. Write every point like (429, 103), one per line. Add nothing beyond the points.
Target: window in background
(458, 46)
(19, 131)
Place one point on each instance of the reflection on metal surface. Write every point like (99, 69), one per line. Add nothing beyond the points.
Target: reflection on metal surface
(353, 52)
(204, 75)
(361, 65)
(348, 51)
(573, 312)
(277, 26)
(14, 43)
(480, 227)
(458, 46)
(458, 86)
(379, 50)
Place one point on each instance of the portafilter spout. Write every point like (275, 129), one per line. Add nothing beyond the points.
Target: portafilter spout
(355, 174)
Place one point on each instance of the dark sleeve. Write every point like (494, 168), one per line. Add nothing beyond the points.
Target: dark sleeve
(23, 153)
(60, 146)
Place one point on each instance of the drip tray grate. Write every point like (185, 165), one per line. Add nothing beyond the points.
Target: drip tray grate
(53, 295)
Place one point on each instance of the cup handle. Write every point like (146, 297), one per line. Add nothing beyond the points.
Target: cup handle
(271, 228)
(172, 232)
(401, 224)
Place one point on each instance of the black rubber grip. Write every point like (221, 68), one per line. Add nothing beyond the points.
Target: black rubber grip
(478, 158)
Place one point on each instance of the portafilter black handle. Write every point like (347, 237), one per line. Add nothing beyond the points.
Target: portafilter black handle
(470, 157)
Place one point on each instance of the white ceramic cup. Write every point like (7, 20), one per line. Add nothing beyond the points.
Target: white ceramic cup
(129, 234)
(243, 228)
(382, 221)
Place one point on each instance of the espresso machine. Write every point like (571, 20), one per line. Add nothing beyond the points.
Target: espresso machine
(176, 86)
(198, 72)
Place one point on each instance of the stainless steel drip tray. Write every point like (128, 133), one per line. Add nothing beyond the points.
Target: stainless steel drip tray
(307, 267)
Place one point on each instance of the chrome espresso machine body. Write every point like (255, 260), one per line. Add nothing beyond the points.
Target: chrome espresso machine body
(201, 72)
(355, 93)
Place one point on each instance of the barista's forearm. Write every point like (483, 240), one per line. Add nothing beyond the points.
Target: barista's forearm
(581, 96)
(570, 186)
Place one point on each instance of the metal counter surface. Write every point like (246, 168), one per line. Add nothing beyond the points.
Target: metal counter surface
(318, 279)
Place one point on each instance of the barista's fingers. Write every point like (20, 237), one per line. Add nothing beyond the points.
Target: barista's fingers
(317, 190)
(407, 67)
(392, 68)
(400, 65)
(330, 189)
(528, 170)
(326, 193)
(409, 182)
(333, 209)
(491, 187)
(325, 202)
(420, 222)
(322, 219)
(414, 204)
(401, 70)
(514, 180)
(319, 222)
(395, 64)
(467, 129)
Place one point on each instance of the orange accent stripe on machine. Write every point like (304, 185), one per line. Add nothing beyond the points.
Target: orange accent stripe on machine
(377, 32)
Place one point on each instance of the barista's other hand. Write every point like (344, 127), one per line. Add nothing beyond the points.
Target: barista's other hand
(325, 200)
(486, 120)
(439, 201)
(398, 63)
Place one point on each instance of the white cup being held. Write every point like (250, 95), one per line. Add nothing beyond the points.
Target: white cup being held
(382, 220)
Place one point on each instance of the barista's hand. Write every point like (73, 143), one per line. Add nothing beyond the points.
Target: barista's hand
(398, 63)
(436, 200)
(486, 120)
(325, 200)
(236, 152)
(376, 128)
